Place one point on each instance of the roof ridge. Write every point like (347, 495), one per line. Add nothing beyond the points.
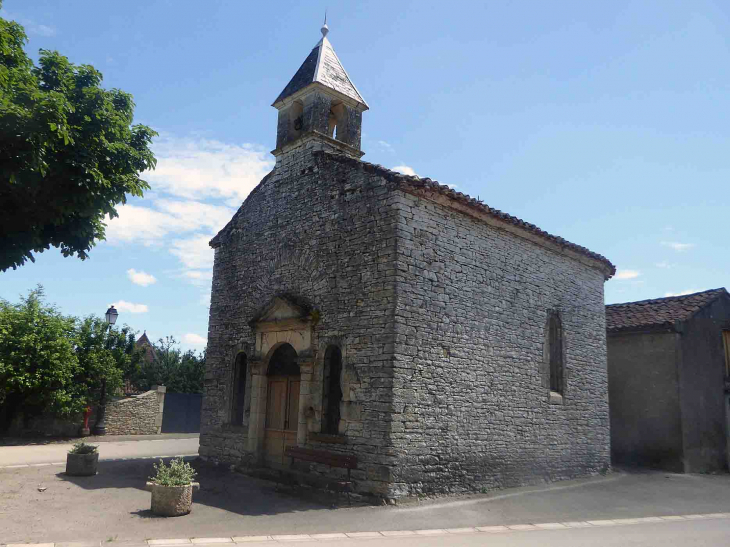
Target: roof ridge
(677, 297)
(478, 204)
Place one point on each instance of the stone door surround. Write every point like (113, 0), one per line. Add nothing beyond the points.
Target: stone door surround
(282, 321)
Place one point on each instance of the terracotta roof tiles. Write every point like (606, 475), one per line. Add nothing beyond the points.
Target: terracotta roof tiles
(659, 312)
(478, 205)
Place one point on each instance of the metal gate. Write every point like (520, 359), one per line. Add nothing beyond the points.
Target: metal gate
(181, 413)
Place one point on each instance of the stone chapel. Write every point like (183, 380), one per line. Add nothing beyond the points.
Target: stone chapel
(444, 345)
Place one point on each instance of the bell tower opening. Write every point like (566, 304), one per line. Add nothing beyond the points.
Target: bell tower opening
(296, 121)
(336, 121)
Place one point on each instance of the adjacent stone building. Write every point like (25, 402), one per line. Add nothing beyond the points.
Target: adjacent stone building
(448, 346)
(668, 370)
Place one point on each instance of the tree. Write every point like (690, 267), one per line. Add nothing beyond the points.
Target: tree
(37, 359)
(106, 355)
(68, 152)
(180, 372)
(51, 363)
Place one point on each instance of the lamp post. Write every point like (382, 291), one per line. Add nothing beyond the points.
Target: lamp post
(100, 425)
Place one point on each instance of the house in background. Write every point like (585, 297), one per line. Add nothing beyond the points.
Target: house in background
(668, 369)
(143, 343)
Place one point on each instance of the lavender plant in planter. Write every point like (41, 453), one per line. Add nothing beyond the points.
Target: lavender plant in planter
(172, 488)
(82, 460)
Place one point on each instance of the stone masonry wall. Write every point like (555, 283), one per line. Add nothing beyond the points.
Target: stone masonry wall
(136, 415)
(474, 409)
(325, 233)
(441, 320)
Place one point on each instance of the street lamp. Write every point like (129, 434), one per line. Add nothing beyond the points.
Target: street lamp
(111, 315)
(100, 425)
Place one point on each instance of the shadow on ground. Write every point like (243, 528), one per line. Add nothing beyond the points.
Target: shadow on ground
(219, 488)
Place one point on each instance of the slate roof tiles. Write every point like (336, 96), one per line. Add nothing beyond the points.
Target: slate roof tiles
(323, 66)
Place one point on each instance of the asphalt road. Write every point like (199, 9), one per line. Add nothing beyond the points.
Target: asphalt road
(56, 453)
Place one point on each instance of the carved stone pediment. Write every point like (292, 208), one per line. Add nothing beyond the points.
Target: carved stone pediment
(285, 319)
(282, 309)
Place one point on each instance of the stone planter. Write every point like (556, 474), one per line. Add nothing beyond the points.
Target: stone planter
(82, 465)
(172, 501)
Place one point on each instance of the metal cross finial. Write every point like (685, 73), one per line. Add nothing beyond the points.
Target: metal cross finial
(325, 29)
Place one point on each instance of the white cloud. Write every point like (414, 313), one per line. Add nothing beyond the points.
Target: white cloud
(194, 187)
(386, 146)
(205, 297)
(200, 278)
(144, 224)
(141, 278)
(149, 225)
(200, 169)
(31, 27)
(123, 305)
(664, 265)
(197, 274)
(683, 293)
(627, 274)
(43, 30)
(194, 339)
(679, 247)
(194, 252)
(406, 170)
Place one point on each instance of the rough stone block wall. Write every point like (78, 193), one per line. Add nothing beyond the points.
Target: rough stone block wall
(441, 320)
(472, 407)
(321, 231)
(136, 415)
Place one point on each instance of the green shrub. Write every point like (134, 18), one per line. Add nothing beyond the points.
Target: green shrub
(83, 448)
(178, 473)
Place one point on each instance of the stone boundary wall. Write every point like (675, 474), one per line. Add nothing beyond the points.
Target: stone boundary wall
(136, 415)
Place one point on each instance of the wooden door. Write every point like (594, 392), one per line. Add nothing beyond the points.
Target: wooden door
(282, 418)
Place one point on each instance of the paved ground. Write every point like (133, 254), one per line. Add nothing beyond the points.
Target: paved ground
(691, 530)
(109, 448)
(114, 506)
(30, 441)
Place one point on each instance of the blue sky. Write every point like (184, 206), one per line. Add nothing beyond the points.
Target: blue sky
(607, 123)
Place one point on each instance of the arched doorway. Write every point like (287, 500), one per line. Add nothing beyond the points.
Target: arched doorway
(282, 404)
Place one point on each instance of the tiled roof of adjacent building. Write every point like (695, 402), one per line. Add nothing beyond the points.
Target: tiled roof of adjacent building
(659, 312)
(143, 340)
(322, 65)
(143, 343)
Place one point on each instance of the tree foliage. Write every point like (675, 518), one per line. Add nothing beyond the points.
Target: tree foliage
(55, 363)
(105, 354)
(180, 372)
(68, 152)
(37, 358)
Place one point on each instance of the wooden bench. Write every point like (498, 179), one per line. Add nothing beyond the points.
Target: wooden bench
(333, 459)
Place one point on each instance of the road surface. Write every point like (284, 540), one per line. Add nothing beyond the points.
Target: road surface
(697, 533)
(701, 533)
(56, 453)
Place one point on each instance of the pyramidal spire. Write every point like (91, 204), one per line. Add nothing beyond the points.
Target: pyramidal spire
(324, 67)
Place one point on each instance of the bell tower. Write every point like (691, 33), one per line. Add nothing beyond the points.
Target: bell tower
(320, 103)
